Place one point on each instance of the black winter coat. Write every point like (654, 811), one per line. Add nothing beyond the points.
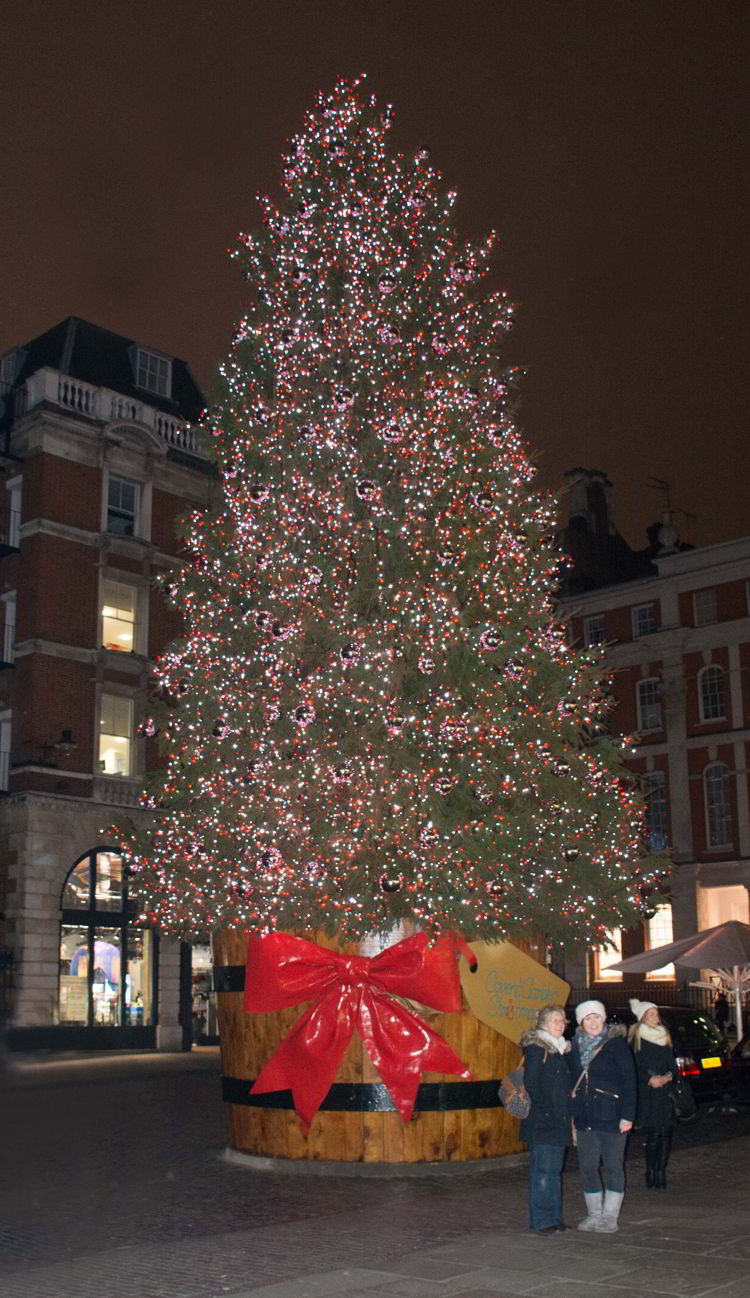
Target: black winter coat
(609, 1093)
(547, 1080)
(654, 1103)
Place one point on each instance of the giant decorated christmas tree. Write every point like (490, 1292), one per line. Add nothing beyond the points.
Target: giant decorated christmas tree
(373, 715)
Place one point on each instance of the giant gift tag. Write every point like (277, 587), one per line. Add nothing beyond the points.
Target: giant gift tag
(509, 988)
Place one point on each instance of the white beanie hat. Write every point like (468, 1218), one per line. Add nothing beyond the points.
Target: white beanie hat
(639, 1007)
(589, 1007)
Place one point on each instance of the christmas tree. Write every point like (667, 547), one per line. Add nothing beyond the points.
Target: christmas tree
(373, 715)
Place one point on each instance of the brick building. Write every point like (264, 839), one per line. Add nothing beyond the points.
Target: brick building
(97, 464)
(677, 624)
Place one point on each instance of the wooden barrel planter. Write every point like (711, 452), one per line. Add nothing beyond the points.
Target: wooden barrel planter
(453, 1120)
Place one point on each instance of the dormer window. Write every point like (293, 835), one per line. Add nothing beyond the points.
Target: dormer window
(153, 372)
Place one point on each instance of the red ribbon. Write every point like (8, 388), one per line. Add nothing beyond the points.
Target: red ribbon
(354, 992)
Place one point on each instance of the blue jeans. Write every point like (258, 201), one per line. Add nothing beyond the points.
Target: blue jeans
(545, 1185)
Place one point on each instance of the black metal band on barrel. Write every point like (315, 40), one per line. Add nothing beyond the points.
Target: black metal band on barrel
(229, 977)
(373, 1097)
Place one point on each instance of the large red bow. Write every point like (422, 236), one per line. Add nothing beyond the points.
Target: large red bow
(353, 992)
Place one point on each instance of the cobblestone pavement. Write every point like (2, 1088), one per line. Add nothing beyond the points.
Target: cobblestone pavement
(113, 1186)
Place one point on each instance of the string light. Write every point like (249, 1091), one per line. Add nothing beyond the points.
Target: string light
(372, 714)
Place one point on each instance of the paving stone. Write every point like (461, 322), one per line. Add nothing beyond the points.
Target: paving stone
(123, 1193)
(344, 1282)
(579, 1289)
(689, 1279)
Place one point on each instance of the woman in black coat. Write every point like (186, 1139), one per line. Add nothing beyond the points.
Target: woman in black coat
(547, 1128)
(655, 1065)
(604, 1101)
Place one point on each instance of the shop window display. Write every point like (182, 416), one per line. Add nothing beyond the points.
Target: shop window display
(204, 998)
(106, 962)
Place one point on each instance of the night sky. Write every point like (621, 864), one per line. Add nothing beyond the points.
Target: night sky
(605, 141)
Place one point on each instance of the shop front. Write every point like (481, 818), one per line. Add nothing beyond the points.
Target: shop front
(108, 962)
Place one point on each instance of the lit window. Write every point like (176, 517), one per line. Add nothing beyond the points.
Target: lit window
(711, 693)
(704, 607)
(605, 957)
(594, 629)
(644, 619)
(659, 932)
(118, 616)
(122, 506)
(657, 822)
(718, 805)
(649, 704)
(115, 734)
(153, 372)
(106, 961)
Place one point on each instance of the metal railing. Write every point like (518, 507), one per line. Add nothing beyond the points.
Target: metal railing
(618, 994)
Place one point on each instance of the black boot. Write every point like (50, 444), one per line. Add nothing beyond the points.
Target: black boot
(651, 1159)
(663, 1151)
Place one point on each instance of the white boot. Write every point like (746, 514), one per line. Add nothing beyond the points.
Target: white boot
(610, 1212)
(594, 1203)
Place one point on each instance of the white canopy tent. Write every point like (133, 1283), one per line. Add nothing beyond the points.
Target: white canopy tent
(724, 951)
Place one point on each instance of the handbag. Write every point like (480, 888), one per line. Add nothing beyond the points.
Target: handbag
(683, 1101)
(514, 1097)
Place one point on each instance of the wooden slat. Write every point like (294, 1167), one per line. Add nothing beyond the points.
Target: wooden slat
(249, 1040)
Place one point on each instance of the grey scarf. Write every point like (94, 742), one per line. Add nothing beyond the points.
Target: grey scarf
(588, 1044)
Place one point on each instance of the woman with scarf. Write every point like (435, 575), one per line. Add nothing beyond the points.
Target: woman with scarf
(604, 1101)
(655, 1065)
(547, 1128)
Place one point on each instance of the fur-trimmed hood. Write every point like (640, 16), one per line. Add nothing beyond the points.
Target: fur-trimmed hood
(534, 1038)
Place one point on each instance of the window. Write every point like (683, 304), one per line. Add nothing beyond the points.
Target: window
(9, 626)
(594, 628)
(10, 367)
(118, 616)
(153, 372)
(718, 805)
(704, 607)
(106, 963)
(657, 819)
(649, 704)
(10, 522)
(116, 735)
(122, 506)
(711, 694)
(659, 932)
(4, 749)
(644, 619)
(604, 958)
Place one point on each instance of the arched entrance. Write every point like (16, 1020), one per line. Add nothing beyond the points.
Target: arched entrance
(108, 963)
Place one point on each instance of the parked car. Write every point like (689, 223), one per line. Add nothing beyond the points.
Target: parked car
(701, 1050)
(741, 1069)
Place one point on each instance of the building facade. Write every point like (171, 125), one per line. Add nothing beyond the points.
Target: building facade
(98, 463)
(676, 623)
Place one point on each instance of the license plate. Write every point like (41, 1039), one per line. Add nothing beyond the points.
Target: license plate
(712, 1062)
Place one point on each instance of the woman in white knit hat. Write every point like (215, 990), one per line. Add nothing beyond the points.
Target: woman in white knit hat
(655, 1065)
(603, 1100)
